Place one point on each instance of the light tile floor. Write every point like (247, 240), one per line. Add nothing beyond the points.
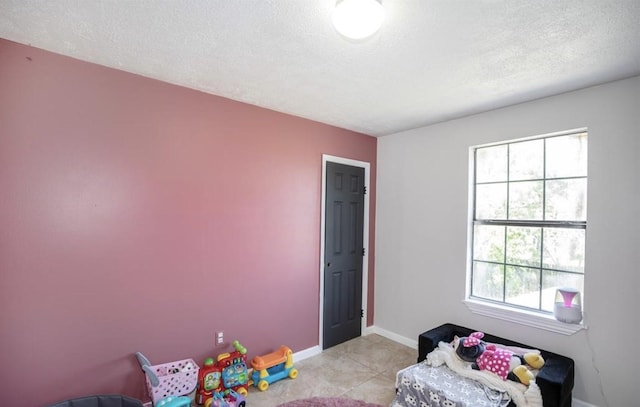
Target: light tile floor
(363, 368)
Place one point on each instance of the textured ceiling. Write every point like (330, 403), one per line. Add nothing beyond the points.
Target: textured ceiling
(432, 60)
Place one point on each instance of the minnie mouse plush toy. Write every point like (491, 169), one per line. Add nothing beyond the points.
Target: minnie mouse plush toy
(500, 361)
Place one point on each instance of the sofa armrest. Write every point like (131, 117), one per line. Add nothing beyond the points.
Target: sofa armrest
(429, 340)
(556, 379)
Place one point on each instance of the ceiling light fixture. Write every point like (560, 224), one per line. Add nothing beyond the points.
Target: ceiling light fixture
(358, 19)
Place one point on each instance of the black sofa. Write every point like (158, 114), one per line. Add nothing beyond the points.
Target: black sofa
(555, 379)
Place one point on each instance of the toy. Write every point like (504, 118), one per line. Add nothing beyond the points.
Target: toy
(229, 398)
(228, 373)
(501, 361)
(209, 381)
(273, 367)
(169, 379)
(173, 401)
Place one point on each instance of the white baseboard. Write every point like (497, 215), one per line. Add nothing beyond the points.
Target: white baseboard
(307, 353)
(393, 336)
(580, 403)
(316, 350)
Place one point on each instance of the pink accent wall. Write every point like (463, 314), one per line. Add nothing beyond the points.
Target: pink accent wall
(137, 215)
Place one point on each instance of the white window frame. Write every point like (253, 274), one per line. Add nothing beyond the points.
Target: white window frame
(501, 311)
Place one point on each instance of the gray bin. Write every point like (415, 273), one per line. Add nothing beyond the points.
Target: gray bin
(100, 401)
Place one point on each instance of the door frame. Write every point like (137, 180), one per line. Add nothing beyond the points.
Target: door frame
(365, 236)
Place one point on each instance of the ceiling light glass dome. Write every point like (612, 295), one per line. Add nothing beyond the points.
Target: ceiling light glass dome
(358, 19)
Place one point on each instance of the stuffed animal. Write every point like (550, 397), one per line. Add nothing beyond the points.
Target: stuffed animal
(503, 362)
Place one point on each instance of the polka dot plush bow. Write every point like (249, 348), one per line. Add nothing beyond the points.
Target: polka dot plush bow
(473, 339)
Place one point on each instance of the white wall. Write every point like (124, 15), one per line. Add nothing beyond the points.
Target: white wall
(421, 231)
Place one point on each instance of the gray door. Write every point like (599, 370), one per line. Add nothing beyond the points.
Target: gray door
(344, 219)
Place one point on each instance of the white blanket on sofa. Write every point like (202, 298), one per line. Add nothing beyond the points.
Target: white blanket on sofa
(522, 396)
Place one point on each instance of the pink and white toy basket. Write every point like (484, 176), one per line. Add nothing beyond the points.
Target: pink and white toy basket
(169, 379)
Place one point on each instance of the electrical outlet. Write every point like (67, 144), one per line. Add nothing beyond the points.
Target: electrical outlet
(219, 338)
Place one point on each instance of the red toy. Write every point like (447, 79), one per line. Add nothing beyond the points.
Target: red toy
(229, 372)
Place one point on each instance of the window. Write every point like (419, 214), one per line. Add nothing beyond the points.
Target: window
(529, 220)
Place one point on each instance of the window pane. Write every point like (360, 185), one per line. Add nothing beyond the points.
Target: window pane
(522, 286)
(488, 280)
(525, 200)
(491, 201)
(564, 249)
(526, 160)
(567, 156)
(566, 200)
(491, 164)
(551, 280)
(523, 246)
(488, 243)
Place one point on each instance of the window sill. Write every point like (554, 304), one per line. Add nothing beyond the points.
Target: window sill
(523, 317)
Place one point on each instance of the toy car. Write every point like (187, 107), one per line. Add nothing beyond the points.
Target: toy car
(273, 367)
(229, 398)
